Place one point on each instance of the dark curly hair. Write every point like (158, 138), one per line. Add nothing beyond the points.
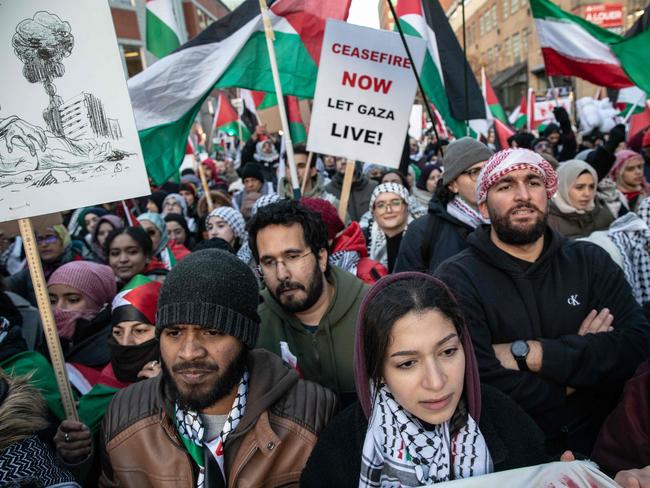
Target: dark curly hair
(288, 212)
(442, 193)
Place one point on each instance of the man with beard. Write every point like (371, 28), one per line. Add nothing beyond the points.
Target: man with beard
(310, 308)
(221, 414)
(554, 322)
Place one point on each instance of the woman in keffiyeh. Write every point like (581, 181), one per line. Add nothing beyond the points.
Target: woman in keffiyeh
(422, 417)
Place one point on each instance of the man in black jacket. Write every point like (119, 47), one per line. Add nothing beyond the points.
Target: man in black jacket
(453, 212)
(554, 322)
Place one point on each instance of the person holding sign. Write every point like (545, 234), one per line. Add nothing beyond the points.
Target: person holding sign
(422, 417)
(221, 414)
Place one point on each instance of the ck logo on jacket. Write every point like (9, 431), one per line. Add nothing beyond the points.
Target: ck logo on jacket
(573, 300)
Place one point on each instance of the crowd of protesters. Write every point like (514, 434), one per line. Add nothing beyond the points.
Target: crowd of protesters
(479, 309)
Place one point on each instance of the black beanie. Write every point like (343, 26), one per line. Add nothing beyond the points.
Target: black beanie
(252, 170)
(214, 290)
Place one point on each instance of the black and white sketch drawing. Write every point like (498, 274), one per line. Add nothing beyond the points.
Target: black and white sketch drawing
(76, 140)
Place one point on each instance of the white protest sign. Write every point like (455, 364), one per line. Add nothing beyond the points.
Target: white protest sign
(364, 94)
(415, 122)
(67, 133)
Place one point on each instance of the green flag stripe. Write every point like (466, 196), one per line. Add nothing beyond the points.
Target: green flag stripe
(498, 113)
(298, 132)
(161, 39)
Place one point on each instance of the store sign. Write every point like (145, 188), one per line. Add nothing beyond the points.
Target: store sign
(605, 15)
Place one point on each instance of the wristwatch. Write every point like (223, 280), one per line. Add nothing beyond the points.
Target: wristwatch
(520, 350)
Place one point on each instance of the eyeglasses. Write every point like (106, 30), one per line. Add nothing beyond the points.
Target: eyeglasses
(472, 173)
(270, 265)
(48, 240)
(396, 203)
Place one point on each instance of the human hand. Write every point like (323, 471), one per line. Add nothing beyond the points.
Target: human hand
(595, 323)
(73, 441)
(260, 130)
(28, 134)
(150, 370)
(567, 456)
(504, 355)
(634, 478)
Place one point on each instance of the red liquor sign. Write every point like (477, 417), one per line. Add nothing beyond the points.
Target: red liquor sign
(605, 15)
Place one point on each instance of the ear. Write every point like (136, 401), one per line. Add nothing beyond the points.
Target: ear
(483, 208)
(322, 260)
(453, 186)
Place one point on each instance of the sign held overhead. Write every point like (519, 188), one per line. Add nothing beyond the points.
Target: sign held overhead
(364, 94)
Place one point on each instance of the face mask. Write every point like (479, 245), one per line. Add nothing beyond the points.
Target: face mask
(128, 361)
(66, 320)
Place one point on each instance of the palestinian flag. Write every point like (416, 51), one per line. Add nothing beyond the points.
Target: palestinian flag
(226, 119)
(519, 118)
(444, 64)
(503, 132)
(162, 30)
(296, 124)
(572, 46)
(491, 100)
(140, 294)
(632, 98)
(231, 52)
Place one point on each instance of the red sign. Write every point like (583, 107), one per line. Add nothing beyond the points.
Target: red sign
(605, 15)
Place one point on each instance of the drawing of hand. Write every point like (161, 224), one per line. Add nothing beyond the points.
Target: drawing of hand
(100, 152)
(17, 130)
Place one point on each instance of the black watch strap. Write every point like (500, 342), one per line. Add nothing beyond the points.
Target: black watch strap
(522, 364)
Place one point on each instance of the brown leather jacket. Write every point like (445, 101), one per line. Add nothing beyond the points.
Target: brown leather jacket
(141, 448)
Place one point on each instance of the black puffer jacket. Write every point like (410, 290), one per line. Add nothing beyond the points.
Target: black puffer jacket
(435, 236)
(513, 439)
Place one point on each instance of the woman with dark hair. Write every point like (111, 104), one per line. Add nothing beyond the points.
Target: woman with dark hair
(422, 417)
(178, 233)
(426, 183)
(105, 225)
(130, 252)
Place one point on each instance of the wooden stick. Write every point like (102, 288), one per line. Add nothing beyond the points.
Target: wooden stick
(305, 177)
(345, 190)
(206, 189)
(49, 325)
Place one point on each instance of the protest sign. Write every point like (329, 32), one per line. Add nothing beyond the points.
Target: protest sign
(364, 94)
(67, 133)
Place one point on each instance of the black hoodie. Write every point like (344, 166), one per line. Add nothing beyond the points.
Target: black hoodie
(505, 300)
(443, 234)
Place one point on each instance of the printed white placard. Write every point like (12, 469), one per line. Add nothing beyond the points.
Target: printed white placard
(67, 133)
(364, 93)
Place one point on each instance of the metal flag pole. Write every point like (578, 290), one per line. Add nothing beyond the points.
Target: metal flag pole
(415, 71)
(270, 37)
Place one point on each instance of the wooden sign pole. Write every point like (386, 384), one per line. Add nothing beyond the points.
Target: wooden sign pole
(206, 189)
(49, 325)
(305, 177)
(347, 187)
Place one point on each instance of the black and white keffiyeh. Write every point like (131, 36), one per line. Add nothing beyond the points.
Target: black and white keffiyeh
(190, 427)
(347, 260)
(399, 452)
(463, 211)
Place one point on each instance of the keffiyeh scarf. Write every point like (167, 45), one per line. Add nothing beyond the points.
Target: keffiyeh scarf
(461, 210)
(190, 428)
(399, 452)
(347, 260)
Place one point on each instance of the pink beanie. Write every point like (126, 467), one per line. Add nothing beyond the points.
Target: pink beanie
(95, 281)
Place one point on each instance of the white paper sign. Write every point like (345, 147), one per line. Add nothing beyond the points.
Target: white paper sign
(364, 93)
(67, 134)
(415, 122)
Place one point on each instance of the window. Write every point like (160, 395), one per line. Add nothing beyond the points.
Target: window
(488, 21)
(506, 51)
(133, 60)
(493, 10)
(524, 41)
(506, 8)
(482, 22)
(516, 48)
(514, 5)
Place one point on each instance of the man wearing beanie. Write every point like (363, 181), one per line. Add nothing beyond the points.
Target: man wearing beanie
(221, 414)
(254, 187)
(453, 212)
(554, 323)
(309, 308)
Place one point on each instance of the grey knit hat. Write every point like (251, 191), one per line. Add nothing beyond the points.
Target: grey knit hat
(214, 290)
(461, 154)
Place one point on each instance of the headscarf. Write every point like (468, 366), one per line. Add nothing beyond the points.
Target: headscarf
(235, 221)
(180, 220)
(137, 301)
(115, 221)
(509, 160)
(96, 282)
(424, 175)
(263, 157)
(63, 234)
(568, 172)
(81, 222)
(622, 158)
(179, 199)
(158, 221)
(396, 438)
(396, 188)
